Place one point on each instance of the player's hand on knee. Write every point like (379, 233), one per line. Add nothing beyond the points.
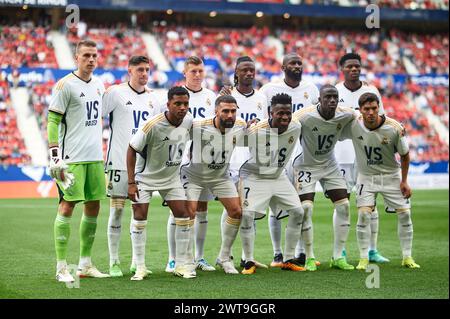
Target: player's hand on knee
(59, 169)
(133, 193)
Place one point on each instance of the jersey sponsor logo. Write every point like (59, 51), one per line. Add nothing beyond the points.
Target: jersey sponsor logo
(296, 107)
(197, 112)
(373, 154)
(248, 116)
(325, 143)
(92, 113)
(175, 154)
(137, 117)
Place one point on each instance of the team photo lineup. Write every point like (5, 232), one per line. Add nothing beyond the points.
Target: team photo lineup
(292, 155)
(274, 160)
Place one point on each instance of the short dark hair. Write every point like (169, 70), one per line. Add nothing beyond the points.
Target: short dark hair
(368, 97)
(225, 99)
(176, 90)
(327, 86)
(280, 98)
(85, 43)
(195, 60)
(349, 56)
(138, 59)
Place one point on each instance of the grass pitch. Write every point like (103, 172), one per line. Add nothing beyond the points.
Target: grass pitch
(27, 266)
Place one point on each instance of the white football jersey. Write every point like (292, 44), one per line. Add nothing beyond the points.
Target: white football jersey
(303, 95)
(270, 151)
(80, 131)
(201, 103)
(344, 151)
(319, 136)
(127, 110)
(375, 149)
(250, 107)
(161, 145)
(211, 150)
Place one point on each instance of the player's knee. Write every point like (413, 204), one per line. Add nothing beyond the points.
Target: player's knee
(364, 215)
(139, 212)
(234, 211)
(307, 206)
(342, 207)
(247, 220)
(404, 215)
(202, 206)
(297, 212)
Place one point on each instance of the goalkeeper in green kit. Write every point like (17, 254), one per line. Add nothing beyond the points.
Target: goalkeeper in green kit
(76, 157)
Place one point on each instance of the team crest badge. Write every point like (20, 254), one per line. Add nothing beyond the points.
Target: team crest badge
(385, 140)
(110, 186)
(234, 140)
(208, 102)
(150, 104)
(339, 126)
(306, 95)
(245, 203)
(291, 140)
(259, 106)
(98, 92)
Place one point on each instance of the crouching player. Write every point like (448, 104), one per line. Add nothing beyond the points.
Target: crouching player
(377, 139)
(263, 181)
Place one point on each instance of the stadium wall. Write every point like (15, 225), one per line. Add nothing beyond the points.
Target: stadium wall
(34, 182)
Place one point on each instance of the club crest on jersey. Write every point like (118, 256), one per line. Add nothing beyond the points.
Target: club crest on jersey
(208, 102)
(234, 140)
(339, 126)
(98, 92)
(259, 106)
(385, 140)
(291, 140)
(150, 104)
(306, 95)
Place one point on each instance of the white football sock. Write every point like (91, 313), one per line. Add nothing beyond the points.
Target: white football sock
(171, 226)
(405, 232)
(182, 236)
(248, 235)
(363, 232)
(275, 230)
(293, 232)
(373, 230)
(230, 229)
(307, 228)
(138, 241)
(115, 228)
(341, 225)
(201, 226)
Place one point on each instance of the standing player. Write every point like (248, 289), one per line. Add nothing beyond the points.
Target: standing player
(252, 105)
(264, 181)
(161, 142)
(377, 139)
(128, 105)
(303, 93)
(213, 142)
(322, 126)
(201, 105)
(76, 157)
(349, 92)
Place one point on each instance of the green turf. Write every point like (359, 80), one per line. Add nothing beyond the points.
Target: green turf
(27, 257)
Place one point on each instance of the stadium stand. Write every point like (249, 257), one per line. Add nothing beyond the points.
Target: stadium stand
(26, 46)
(12, 147)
